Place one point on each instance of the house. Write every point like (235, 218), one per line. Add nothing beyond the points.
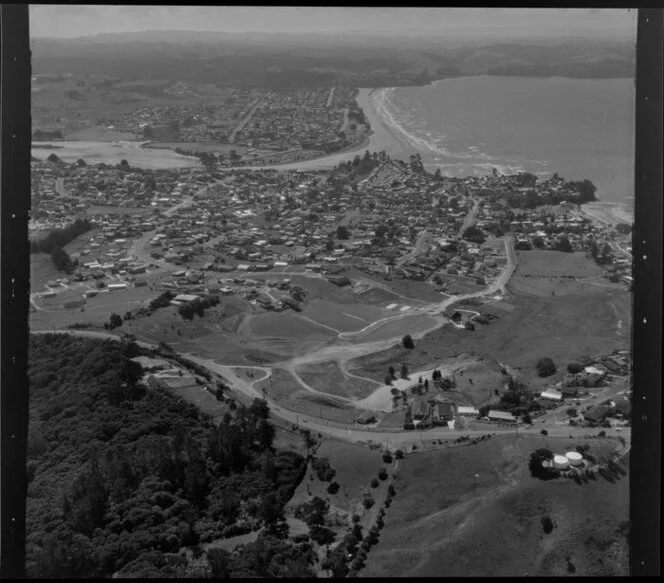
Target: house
(443, 412)
(420, 410)
(502, 416)
(552, 395)
(467, 411)
(185, 298)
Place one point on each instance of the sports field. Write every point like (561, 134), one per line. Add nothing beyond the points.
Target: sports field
(556, 264)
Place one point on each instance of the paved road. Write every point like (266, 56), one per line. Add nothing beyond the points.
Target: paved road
(470, 218)
(245, 121)
(417, 250)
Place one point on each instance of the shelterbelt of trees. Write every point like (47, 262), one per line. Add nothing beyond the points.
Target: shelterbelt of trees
(54, 242)
(129, 482)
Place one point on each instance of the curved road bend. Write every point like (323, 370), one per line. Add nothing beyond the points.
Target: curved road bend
(338, 430)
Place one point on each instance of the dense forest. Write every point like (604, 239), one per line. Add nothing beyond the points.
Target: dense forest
(128, 481)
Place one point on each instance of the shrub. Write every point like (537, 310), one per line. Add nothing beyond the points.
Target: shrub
(537, 470)
(547, 524)
(545, 367)
(572, 412)
(574, 368)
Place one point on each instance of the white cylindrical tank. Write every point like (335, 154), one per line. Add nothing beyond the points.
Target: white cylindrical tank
(574, 458)
(560, 462)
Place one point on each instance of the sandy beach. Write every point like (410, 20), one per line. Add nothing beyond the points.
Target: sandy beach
(608, 213)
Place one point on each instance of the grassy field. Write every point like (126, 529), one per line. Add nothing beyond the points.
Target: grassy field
(99, 134)
(42, 270)
(410, 325)
(476, 511)
(564, 329)
(95, 152)
(377, 295)
(343, 317)
(355, 466)
(541, 286)
(285, 325)
(327, 377)
(555, 264)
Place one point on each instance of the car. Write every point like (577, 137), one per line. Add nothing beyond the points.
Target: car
(618, 428)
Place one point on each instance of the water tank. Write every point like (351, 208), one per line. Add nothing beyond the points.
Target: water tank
(560, 462)
(574, 458)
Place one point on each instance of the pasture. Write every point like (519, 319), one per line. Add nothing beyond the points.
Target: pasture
(355, 466)
(476, 511)
(562, 328)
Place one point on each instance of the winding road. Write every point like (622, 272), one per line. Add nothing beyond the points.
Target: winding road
(344, 353)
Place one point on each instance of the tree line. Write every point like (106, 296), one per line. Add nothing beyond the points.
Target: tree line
(54, 242)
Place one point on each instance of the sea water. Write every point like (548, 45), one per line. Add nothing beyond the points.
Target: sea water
(579, 128)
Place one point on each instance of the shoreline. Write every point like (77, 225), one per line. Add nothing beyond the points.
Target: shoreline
(380, 138)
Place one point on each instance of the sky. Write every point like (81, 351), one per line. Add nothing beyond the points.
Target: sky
(69, 21)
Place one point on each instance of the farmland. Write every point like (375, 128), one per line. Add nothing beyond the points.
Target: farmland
(478, 512)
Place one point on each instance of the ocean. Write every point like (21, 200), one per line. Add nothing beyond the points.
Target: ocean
(579, 128)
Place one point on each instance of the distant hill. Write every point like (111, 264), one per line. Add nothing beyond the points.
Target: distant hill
(268, 60)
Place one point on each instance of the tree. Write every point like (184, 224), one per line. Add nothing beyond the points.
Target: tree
(313, 512)
(537, 470)
(387, 457)
(564, 245)
(382, 474)
(574, 368)
(407, 342)
(527, 419)
(374, 483)
(474, 234)
(404, 371)
(544, 432)
(624, 228)
(388, 379)
(115, 321)
(342, 233)
(545, 367)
